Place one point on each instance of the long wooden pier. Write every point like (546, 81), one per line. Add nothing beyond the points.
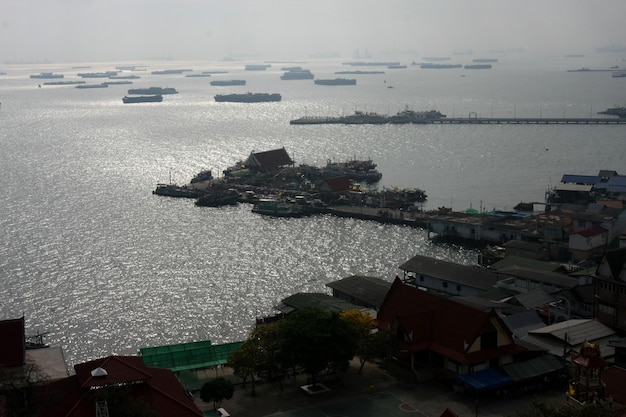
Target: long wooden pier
(378, 120)
(528, 121)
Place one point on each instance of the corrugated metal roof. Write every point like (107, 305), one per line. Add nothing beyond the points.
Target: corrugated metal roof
(552, 278)
(526, 263)
(370, 290)
(469, 276)
(321, 301)
(521, 323)
(533, 368)
(581, 179)
(534, 298)
(576, 331)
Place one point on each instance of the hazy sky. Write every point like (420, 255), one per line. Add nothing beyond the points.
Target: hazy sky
(128, 30)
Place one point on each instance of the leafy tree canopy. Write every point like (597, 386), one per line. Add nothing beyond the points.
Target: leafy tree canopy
(217, 390)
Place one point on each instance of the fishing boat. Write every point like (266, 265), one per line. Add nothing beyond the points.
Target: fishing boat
(173, 190)
(277, 208)
(218, 198)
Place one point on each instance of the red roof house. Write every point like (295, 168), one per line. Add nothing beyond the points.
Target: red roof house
(457, 337)
(13, 346)
(98, 382)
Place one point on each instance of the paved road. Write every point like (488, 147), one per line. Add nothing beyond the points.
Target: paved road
(373, 386)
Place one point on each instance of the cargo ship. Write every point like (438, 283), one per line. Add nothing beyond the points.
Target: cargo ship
(46, 75)
(336, 81)
(153, 90)
(477, 66)
(439, 66)
(143, 99)
(302, 74)
(228, 82)
(248, 97)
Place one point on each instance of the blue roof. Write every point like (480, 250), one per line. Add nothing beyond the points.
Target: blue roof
(580, 179)
(486, 379)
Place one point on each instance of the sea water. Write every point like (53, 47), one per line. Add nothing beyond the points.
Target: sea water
(91, 256)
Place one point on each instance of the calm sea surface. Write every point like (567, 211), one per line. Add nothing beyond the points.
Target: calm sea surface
(88, 254)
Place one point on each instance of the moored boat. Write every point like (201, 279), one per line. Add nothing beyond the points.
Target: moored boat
(204, 175)
(218, 198)
(173, 190)
(277, 208)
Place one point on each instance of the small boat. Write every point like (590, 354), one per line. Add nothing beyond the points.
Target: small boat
(277, 208)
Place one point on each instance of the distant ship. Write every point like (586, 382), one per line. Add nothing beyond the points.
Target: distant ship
(615, 111)
(485, 60)
(63, 82)
(359, 72)
(46, 75)
(143, 99)
(477, 66)
(124, 77)
(248, 97)
(103, 85)
(106, 74)
(169, 71)
(228, 82)
(439, 66)
(153, 90)
(257, 67)
(302, 74)
(336, 81)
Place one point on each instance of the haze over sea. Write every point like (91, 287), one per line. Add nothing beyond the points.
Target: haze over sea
(91, 256)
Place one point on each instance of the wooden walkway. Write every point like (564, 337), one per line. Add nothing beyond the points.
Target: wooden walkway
(528, 121)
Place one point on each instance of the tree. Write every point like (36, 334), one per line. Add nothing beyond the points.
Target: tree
(217, 390)
(259, 355)
(317, 340)
(372, 344)
(606, 409)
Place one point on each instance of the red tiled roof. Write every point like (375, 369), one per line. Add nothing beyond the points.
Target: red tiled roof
(12, 348)
(160, 391)
(337, 184)
(269, 160)
(592, 231)
(119, 370)
(438, 324)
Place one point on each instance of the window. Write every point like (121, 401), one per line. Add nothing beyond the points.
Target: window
(458, 288)
(489, 340)
(445, 284)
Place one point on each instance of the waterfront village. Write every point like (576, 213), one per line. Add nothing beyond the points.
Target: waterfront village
(543, 309)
